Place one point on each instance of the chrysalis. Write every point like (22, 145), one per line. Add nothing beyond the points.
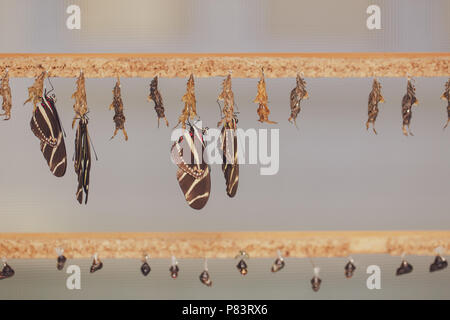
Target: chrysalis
(5, 92)
(155, 95)
(350, 268)
(262, 100)
(439, 263)
(375, 97)
(297, 95)
(242, 265)
(190, 104)
(61, 260)
(36, 90)
(7, 271)
(405, 267)
(446, 96)
(316, 281)
(96, 264)
(205, 277)
(145, 267)
(409, 100)
(230, 165)
(174, 269)
(278, 263)
(117, 106)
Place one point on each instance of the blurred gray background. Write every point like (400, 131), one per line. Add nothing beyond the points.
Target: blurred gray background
(333, 174)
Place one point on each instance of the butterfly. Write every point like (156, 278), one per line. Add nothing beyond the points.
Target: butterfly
(47, 127)
(193, 173)
(82, 158)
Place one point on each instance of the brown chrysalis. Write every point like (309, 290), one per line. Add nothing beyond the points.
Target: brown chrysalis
(80, 106)
(297, 95)
(5, 92)
(117, 106)
(262, 100)
(446, 96)
(375, 97)
(190, 104)
(230, 165)
(155, 95)
(36, 91)
(409, 100)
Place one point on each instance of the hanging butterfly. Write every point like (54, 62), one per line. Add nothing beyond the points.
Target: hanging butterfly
(83, 158)
(193, 172)
(47, 127)
(230, 165)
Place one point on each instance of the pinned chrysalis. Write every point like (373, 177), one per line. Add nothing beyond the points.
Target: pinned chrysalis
(82, 159)
(61, 260)
(190, 104)
(174, 269)
(446, 96)
(145, 267)
(262, 100)
(409, 100)
(350, 268)
(316, 281)
(36, 90)
(405, 267)
(46, 126)
(242, 265)
(7, 271)
(5, 92)
(375, 97)
(205, 277)
(297, 95)
(278, 264)
(230, 165)
(117, 106)
(155, 95)
(96, 264)
(439, 262)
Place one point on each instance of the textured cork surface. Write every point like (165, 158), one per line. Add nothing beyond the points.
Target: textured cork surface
(223, 244)
(243, 65)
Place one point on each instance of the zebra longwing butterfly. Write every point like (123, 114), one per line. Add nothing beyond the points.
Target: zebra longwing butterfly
(47, 127)
(82, 159)
(193, 172)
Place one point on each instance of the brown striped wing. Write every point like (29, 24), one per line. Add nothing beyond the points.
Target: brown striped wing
(194, 178)
(46, 126)
(230, 166)
(82, 160)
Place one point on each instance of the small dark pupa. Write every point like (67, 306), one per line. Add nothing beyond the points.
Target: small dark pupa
(145, 267)
(404, 268)
(61, 260)
(349, 269)
(439, 263)
(316, 281)
(96, 264)
(174, 269)
(205, 278)
(7, 271)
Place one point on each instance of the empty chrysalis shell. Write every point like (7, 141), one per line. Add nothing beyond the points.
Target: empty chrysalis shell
(278, 265)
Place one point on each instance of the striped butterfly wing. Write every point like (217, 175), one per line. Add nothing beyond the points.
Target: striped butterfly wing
(46, 126)
(82, 160)
(230, 165)
(193, 173)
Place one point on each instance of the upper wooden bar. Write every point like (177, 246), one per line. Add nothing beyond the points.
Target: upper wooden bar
(223, 244)
(243, 65)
